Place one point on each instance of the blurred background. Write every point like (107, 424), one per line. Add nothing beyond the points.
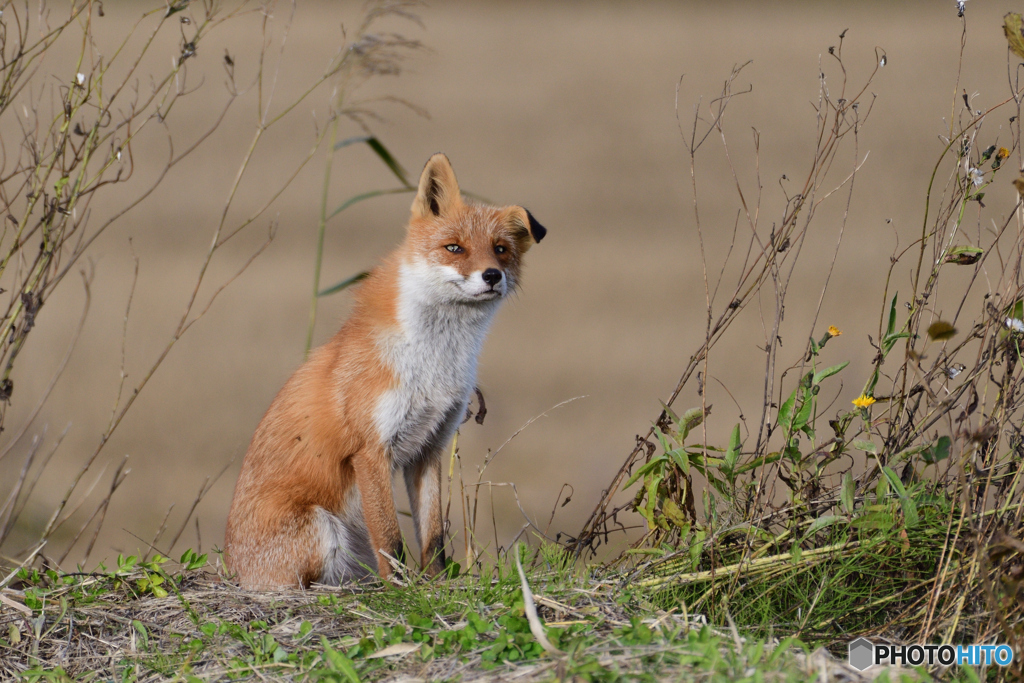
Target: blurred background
(568, 108)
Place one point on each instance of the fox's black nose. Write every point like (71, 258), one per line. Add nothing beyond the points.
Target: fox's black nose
(491, 276)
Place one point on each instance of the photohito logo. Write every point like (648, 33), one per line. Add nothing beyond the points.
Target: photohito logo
(864, 653)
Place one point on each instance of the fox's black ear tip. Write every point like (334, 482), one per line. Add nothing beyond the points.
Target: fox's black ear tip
(537, 231)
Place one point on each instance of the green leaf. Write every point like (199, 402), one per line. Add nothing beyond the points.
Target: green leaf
(452, 568)
(786, 410)
(822, 522)
(828, 372)
(351, 140)
(940, 330)
(910, 516)
(963, 256)
(652, 501)
(189, 560)
(1013, 27)
(734, 450)
(804, 416)
(892, 316)
(891, 340)
(662, 440)
(698, 449)
(690, 420)
(866, 446)
(894, 480)
(669, 412)
(681, 459)
(873, 520)
(382, 152)
(339, 662)
(673, 513)
(906, 453)
(141, 630)
(698, 457)
(882, 489)
(344, 284)
(644, 469)
(846, 493)
(869, 388)
(369, 195)
(938, 452)
(759, 462)
(389, 160)
(697, 549)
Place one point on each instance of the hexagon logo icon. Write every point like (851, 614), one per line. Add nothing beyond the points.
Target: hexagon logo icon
(861, 654)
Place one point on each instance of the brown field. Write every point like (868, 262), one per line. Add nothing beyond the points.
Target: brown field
(567, 108)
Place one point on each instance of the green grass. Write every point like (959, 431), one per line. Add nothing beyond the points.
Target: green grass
(840, 582)
(141, 622)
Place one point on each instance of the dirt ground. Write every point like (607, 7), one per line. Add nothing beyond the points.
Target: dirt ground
(567, 108)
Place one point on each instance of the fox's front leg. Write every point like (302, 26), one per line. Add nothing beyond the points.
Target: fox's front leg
(423, 481)
(373, 477)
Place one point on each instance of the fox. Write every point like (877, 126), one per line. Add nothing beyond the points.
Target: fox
(314, 501)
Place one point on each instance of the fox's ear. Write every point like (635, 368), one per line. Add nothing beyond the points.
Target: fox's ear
(438, 191)
(528, 229)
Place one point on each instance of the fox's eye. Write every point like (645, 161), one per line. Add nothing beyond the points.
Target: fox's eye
(454, 248)
(500, 249)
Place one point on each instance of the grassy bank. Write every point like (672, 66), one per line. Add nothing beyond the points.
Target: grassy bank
(161, 621)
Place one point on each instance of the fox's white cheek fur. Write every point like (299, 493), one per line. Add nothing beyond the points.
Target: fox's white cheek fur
(438, 282)
(435, 282)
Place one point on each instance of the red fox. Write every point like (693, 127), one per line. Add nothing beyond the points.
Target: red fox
(314, 500)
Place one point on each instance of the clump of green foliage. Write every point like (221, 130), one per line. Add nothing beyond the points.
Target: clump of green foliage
(901, 513)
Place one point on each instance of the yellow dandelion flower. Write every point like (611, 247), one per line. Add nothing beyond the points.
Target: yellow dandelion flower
(834, 331)
(863, 401)
(1002, 153)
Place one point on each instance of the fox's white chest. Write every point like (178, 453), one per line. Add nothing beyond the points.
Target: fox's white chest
(434, 358)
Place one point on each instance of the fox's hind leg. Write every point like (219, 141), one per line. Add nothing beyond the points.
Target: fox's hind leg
(268, 552)
(348, 553)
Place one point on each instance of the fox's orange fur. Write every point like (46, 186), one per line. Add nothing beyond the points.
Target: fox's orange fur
(314, 499)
